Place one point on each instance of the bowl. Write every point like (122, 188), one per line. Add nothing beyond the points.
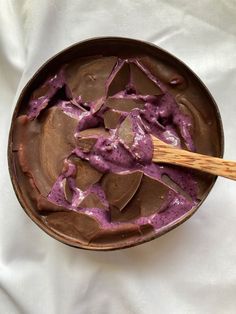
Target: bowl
(192, 96)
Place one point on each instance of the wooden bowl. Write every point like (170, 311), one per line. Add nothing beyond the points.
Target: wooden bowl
(208, 142)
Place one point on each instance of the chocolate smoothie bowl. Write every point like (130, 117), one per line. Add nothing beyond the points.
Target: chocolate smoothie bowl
(80, 147)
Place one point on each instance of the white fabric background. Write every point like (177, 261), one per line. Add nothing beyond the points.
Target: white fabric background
(190, 270)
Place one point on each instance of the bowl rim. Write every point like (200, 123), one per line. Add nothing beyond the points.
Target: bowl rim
(72, 241)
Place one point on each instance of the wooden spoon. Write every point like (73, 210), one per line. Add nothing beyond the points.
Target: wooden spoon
(166, 153)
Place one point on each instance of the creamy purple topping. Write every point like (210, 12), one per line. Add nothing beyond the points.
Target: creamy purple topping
(44, 94)
(127, 146)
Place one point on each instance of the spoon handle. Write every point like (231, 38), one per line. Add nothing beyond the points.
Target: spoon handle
(166, 153)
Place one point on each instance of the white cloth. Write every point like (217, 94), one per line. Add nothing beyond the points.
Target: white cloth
(192, 269)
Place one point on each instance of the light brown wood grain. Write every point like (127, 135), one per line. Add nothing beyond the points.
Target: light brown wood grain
(165, 153)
